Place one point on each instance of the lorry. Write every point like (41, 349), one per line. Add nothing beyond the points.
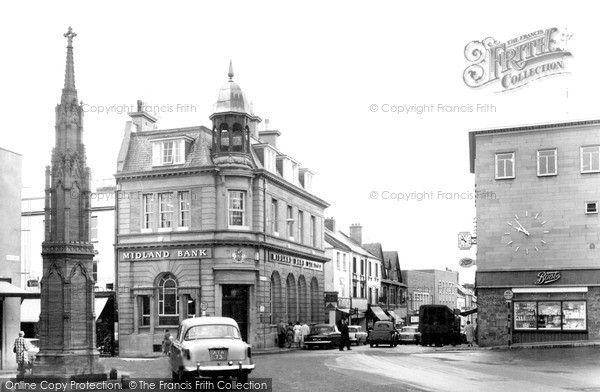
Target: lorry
(439, 325)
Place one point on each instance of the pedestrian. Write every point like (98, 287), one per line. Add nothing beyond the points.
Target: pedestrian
(297, 333)
(470, 332)
(345, 338)
(305, 330)
(281, 332)
(290, 334)
(167, 342)
(20, 349)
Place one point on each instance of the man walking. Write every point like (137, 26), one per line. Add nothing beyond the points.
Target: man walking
(20, 349)
(345, 341)
(304, 331)
(281, 333)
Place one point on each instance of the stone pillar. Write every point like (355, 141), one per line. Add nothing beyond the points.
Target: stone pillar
(153, 312)
(136, 313)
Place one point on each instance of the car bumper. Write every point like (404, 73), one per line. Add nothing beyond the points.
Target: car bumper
(227, 369)
(318, 342)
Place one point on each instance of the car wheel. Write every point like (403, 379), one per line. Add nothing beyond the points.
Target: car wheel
(242, 377)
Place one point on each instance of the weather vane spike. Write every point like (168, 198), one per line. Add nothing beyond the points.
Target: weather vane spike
(70, 35)
(230, 74)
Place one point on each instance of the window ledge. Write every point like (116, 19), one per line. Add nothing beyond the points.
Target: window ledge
(238, 228)
(183, 228)
(165, 229)
(143, 231)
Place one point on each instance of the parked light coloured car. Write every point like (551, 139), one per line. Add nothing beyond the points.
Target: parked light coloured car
(357, 335)
(383, 332)
(210, 347)
(410, 334)
(323, 335)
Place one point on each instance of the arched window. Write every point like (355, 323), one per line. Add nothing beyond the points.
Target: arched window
(317, 312)
(277, 305)
(168, 303)
(238, 138)
(303, 300)
(224, 137)
(292, 301)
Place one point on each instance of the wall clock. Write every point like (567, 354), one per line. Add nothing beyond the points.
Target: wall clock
(527, 232)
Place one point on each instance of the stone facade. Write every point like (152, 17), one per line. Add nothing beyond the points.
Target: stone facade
(10, 251)
(234, 230)
(535, 236)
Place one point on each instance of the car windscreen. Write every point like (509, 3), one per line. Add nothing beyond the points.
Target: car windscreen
(212, 331)
(321, 329)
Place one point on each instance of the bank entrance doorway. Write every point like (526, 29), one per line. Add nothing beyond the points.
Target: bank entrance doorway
(235, 305)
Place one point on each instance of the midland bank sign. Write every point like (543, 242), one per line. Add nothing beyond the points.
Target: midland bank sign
(167, 254)
(518, 61)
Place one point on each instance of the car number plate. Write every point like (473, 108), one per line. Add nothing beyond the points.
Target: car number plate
(218, 354)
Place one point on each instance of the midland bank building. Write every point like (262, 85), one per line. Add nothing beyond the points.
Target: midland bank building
(217, 222)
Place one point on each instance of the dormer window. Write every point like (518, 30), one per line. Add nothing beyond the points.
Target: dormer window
(169, 151)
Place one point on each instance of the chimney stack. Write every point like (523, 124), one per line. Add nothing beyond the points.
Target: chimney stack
(356, 233)
(330, 224)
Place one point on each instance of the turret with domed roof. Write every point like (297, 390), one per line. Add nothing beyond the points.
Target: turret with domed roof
(234, 123)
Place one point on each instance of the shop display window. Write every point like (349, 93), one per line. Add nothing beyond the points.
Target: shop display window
(550, 315)
(574, 315)
(525, 315)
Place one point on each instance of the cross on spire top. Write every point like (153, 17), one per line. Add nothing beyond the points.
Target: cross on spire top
(70, 35)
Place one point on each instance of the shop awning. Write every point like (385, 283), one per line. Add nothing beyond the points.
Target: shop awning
(10, 290)
(395, 316)
(380, 314)
(353, 314)
(99, 305)
(30, 310)
(468, 312)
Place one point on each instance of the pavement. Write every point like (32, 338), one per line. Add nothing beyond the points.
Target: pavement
(136, 366)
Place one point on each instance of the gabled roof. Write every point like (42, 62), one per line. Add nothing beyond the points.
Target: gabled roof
(334, 242)
(344, 239)
(392, 258)
(375, 249)
(139, 154)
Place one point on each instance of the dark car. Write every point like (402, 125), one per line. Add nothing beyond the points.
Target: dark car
(323, 335)
(383, 332)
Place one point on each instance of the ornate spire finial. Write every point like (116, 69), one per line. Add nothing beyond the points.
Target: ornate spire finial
(230, 74)
(70, 35)
(69, 91)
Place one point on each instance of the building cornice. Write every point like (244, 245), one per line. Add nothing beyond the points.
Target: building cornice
(224, 242)
(168, 172)
(525, 128)
(291, 187)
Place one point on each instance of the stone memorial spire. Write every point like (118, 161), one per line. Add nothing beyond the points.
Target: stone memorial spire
(67, 322)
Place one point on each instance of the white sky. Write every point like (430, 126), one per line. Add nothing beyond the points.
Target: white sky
(313, 69)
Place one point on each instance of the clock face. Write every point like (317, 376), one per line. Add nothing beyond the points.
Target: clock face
(527, 232)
